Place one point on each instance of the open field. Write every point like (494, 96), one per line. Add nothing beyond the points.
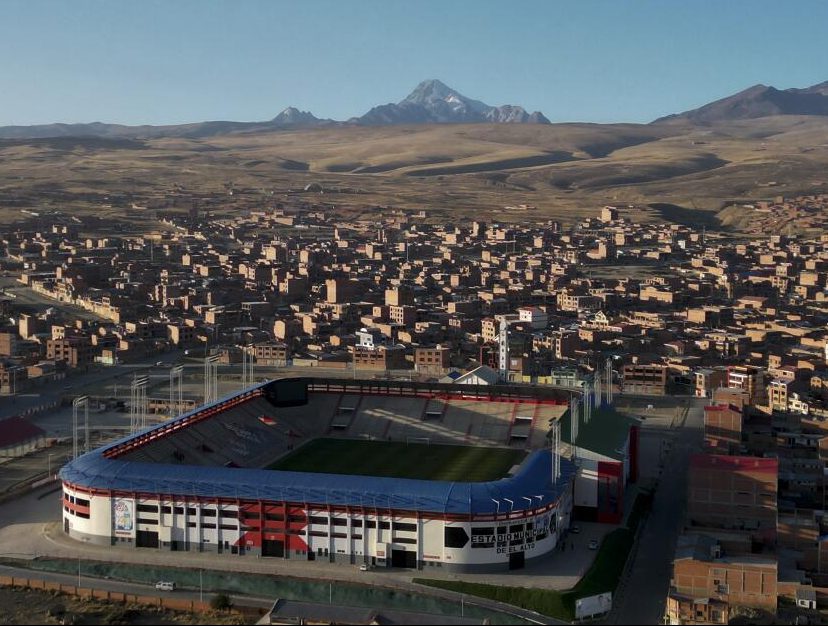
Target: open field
(41, 607)
(397, 459)
(560, 171)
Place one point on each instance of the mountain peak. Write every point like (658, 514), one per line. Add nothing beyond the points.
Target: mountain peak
(432, 101)
(759, 101)
(293, 116)
(431, 89)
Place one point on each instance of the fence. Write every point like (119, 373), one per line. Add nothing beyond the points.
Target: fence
(167, 602)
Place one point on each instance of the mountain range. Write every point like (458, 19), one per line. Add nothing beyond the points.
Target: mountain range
(433, 102)
(758, 101)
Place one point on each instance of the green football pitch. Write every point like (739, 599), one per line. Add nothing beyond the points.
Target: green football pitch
(401, 460)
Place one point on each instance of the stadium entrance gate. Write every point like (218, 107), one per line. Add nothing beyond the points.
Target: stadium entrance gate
(517, 560)
(403, 558)
(272, 547)
(146, 539)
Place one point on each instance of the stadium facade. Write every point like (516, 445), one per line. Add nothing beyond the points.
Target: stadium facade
(200, 482)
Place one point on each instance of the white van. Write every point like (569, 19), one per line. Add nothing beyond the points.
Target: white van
(163, 585)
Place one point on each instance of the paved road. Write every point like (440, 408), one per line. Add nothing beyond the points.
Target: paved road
(641, 597)
(82, 580)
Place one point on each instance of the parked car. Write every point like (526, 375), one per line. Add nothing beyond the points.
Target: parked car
(364, 567)
(165, 585)
(593, 544)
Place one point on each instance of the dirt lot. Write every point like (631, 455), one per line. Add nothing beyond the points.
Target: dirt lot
(19, 606)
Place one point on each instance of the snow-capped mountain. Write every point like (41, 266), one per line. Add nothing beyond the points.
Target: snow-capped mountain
(434, 102)
(292, 116)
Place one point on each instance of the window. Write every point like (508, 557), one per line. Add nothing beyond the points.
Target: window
(148, 508)
(208, 512)
(228, 527)
(274, 517)
(405, 540)
(337, 521)
(81, 502)
(356, 523)
(152, 522)
(82, 515)
(208, 525)
(370, 523)
(230, 514)
(411, 528)
(385, 525)
(166, 509)
(318, 519)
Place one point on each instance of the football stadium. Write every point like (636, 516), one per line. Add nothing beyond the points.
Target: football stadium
(382, 473)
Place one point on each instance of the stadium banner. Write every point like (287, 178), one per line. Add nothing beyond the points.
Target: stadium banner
(123, 517)
(593, 605)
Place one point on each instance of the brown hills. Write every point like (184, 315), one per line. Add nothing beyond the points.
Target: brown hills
(564, 170)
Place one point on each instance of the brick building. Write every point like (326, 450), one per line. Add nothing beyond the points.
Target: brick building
(734, 492)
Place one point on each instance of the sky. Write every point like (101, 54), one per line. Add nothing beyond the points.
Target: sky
(176, 61)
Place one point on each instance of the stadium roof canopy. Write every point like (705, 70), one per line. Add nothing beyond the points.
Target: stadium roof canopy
(530, 487)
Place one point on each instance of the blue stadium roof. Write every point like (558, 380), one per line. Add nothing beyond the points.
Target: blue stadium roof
(529, 487)
(533, 478)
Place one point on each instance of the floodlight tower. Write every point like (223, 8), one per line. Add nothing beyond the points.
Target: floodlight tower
(138, 404)
(503, 345)
(176, 393)
(81, 403)
(608, 373)
(211, 378)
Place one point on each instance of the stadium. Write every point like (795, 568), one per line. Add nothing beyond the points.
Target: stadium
(381, 473)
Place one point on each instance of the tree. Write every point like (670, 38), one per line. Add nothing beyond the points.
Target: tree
(221, 602)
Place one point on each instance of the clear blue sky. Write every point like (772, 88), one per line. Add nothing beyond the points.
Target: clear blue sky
(179, 61)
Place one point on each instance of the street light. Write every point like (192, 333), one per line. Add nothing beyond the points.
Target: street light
(497, 502)
(49, 462)
(511, 504)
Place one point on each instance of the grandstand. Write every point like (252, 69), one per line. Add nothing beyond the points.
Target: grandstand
(388, 473)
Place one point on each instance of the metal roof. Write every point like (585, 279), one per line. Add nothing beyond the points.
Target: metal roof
(532, 481)
(530, 487)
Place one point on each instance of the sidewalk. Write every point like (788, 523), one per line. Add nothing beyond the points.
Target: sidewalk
(561, 570)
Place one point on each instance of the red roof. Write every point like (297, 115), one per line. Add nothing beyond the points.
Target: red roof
(16, 430)
(734, 463)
